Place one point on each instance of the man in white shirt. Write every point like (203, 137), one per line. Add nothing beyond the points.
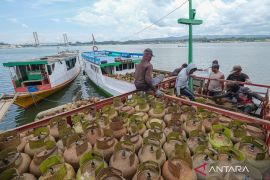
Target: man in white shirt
(182, 80)
(215, 87)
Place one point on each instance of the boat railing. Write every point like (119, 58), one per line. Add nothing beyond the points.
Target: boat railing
(264, 105)
(223, 80)
(98, 105)
(267, 106)
(168, 83)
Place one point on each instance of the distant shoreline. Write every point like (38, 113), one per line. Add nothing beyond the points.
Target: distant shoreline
(181, 42)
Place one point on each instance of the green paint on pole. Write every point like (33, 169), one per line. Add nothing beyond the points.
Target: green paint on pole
(191, 21)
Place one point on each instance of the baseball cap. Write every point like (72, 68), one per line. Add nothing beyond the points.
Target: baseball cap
(215, 65)
(149, 51)
(236, 68)
(215, 62)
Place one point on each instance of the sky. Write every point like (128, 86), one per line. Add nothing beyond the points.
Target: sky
(121, 19)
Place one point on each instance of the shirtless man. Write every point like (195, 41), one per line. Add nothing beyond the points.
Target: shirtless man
(143, 74)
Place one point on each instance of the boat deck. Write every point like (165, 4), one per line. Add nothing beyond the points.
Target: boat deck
(130, 77)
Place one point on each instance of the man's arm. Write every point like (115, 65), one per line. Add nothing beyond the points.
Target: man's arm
(228, 94)
(247, 79)
(206, 87)
(148, 77)
(222, 83)
(175, 72)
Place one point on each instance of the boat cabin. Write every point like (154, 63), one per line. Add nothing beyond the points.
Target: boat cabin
(34, 75)
(113, 63)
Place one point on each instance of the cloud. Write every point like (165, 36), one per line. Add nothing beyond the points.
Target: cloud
(123, 18)
(48, 2)
(13, 20)
(55, 19)
(234, 17)
(24, 25)
(16, 21)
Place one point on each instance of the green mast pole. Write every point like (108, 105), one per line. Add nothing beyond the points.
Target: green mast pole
(190, 51)
(190, 46)
(190, 21)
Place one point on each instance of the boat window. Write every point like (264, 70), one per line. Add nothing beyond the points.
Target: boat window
(125, 66)
(132, 65)
(119, 68)
(73, 61)
(70, 63)
(50, 69)
(35, 67)
(94, 68)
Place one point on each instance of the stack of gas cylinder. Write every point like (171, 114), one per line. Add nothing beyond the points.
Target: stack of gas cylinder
(141, 138)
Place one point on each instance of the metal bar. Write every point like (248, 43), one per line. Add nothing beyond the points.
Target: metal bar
(223, 80)
(107, 101)
(69, 113)
(267, 106)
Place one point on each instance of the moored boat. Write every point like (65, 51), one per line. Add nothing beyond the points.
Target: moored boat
(113, 72)
(37, 79)
(101, 66)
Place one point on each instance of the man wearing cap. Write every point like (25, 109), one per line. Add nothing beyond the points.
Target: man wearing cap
(209, 69)
(182, 79)
(237, 75)
(143, 74)
(215, 87)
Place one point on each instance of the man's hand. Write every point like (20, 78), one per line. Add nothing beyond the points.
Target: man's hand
(159, 93)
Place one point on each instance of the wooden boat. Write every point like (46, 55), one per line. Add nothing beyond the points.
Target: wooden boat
(37, 79)
(67, 116)
(116, 80)
(169, 83)
(101, 66)
(112, 72)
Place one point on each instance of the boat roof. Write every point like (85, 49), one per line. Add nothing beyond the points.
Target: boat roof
(108, 58)
(43, 60)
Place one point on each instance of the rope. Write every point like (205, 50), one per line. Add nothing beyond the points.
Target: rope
(36, 106)
(147, 27)
(161, 18)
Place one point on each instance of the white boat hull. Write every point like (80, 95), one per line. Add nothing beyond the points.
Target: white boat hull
(110, 85)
